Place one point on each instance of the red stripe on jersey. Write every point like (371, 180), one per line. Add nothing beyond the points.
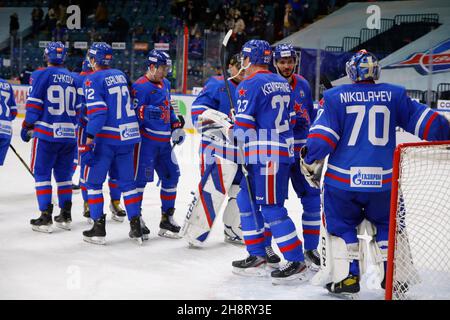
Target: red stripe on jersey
(243, 124)
(205, 207)
(428, 125)
(388, 180)
(44, 132)
(96, 110)
(112, 185)
(267, 152)
(291, 246)
(270, 183)
(334, 177)
(267, 234)
(109, 136)
(325, 138)
(34, 106)
(33, 154)
(154, 138)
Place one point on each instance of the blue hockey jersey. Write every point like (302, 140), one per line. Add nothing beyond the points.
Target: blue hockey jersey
(265, 118)
(357, 127)
(111, 115)
(146, 92)
(304, 111)
(51, 104)
(8, 109)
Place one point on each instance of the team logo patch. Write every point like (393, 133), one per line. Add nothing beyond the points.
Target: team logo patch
(129, 131)
(242, 92)
(421, 61)
(366, 177)
(63, 130)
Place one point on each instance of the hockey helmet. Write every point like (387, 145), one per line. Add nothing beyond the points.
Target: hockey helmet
(159, 58)
(101, 52)
(55, 52)
(363, 66)
(258, 51)
(86, 66)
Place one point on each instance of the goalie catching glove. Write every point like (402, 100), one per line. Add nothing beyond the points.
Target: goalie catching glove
(313, 171)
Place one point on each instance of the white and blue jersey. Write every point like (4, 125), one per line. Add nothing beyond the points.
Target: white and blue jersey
(265, 118)
(51, 105)
(111, 115)
(8, 109)
(356, 126)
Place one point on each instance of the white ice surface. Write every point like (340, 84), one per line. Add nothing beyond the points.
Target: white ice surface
(62, 266)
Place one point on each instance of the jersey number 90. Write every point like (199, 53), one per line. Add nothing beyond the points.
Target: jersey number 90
(64, 99)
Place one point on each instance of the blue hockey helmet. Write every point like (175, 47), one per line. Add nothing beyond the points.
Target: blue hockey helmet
(86, 66)
(55, 52)
(284, 50)
(101, 52)
(258, 51)
(159, 58)
(363, 66)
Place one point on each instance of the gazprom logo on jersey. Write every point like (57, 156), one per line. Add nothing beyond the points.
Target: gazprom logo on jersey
(366, 177)
(63, 130)
(129, 131)
(421, 61)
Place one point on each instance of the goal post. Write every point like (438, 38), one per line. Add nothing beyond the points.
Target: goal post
(418, 262)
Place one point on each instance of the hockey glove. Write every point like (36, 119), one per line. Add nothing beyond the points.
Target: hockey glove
(27, 131)
(86, 152)
(149, 112)
(178, 133)
(313, 171)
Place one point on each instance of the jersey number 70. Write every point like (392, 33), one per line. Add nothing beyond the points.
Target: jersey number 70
(374, 110)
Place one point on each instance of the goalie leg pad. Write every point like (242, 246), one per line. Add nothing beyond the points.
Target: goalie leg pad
(207, 200)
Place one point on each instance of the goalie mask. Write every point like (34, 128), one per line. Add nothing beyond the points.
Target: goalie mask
(363, 66)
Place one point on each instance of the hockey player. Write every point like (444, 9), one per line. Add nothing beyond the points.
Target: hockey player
(356, 127)
(158, 126)
(118, 213)
(51, 118)
(8, 112)
(214, 96)
(285, 60)
(263, 126)
(112, 131)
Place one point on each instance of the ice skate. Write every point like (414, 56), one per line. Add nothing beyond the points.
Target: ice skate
(345, 289)
(312, 259)
(292, 273)
(64, 219)
(168, 227)
(97, 233)
(44, 223)
(136, 230)
(117, 212)
(145, 230)
(252, 266)
(272, 258)
(87, 212)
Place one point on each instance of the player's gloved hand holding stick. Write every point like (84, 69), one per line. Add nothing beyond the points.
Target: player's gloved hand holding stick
(27, 131)
(313, 171)
(149, 112)
(86, 152)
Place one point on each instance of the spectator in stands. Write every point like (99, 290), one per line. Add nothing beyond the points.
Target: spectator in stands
(62, 14)
(161, 36)
(196, 46)
(60, 32)
(258, 23)
(26, 74)
(36, 20)
(13, 25)
(52, 17)
(189, 14)
(218, 24)
(101, 15)
(120, 28)
(139, 30)
(290, 22)
(238, 38)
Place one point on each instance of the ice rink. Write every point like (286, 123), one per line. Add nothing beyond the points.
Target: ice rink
(62, 266)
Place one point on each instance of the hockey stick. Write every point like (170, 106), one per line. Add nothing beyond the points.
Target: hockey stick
(21, 160)
(223, 49)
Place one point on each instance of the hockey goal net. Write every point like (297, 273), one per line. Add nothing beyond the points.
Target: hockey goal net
(418, 265)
